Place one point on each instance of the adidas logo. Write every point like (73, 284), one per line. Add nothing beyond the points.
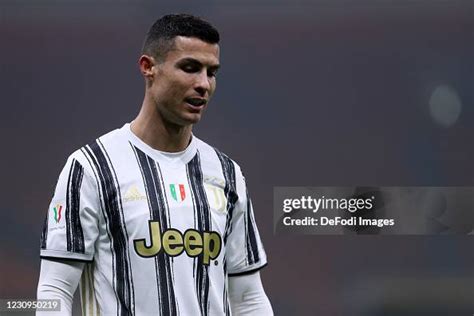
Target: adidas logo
(133, 194)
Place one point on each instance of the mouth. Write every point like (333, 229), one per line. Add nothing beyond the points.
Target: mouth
(196, 102)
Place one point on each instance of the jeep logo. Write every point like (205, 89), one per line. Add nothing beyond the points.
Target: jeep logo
(173, 243)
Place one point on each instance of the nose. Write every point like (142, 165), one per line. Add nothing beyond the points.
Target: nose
(203, 84)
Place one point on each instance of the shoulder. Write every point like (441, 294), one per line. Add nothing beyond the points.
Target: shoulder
(86, 156)
(111, 139)
(227, 163)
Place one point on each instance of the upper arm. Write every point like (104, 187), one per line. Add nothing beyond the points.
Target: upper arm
(244, 248)
(71, 225)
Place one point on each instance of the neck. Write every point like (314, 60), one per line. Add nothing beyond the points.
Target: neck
(157, 133)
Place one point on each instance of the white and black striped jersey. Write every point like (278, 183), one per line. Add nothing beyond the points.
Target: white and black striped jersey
(161, 232)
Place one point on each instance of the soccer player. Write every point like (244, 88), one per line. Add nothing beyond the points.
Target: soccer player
(149, 219)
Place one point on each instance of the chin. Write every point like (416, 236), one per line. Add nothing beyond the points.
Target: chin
(191, 119)
(195, 121)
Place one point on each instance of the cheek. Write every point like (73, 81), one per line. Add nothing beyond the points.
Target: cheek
(213, 86)
(179, 84)
(168, 90)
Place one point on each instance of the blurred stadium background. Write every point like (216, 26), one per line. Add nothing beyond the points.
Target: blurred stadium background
(311, 93)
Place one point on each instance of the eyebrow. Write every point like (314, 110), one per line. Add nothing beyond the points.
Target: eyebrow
(195, 61)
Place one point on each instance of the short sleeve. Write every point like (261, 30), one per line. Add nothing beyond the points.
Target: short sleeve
(244, 248)
(71, 224)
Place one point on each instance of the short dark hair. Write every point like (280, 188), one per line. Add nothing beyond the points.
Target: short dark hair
(160, 38)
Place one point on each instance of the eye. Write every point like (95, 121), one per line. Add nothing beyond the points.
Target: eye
(212, 73)
(190, 68)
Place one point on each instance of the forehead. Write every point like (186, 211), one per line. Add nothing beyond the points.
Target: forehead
(191, 47)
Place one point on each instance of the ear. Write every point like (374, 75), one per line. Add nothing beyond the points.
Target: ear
(146, 64)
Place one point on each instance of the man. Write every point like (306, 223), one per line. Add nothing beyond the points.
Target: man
(150, 219)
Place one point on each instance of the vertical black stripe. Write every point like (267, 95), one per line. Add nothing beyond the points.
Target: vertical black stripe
(251, 239)
(230, 191)
(100, 184)
(158, 206)
(77, 234)
(203, 223)
(119, 241)
(225, 296)
(74, 234)
(68, 207)
(93, 163)
(127, 253)
(44, 233)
